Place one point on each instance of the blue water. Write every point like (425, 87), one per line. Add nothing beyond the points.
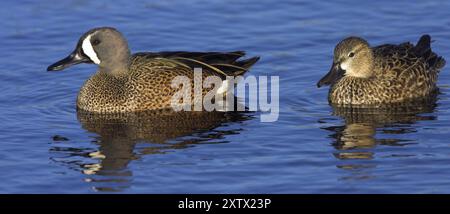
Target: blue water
(46, 147)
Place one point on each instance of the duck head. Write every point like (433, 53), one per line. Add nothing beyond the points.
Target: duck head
(352, 57)
(103, 46)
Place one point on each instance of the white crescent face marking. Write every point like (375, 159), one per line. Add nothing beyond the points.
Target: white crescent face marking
(346, 67)
(89, 50)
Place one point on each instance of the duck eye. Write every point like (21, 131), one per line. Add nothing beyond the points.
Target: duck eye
(96, 42)
(351, 54)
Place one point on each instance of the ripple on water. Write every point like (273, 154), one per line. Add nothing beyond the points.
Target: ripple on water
(47, 146)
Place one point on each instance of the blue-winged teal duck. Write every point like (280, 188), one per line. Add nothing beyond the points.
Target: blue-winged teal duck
(142, 81)
(385, 74)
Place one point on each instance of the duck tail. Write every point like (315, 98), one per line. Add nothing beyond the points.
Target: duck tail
(423, 49)
(247, 63)
(423, 45)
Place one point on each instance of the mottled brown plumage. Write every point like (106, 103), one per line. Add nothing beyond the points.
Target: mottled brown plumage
(385, 74)
(142, 81)
(146, 85)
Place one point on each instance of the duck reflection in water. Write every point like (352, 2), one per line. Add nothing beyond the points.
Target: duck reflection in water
(160, 130)
(357, 138)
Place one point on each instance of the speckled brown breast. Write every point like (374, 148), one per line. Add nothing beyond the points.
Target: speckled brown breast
(147, 87)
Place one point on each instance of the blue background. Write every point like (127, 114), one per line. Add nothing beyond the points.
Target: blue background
(300, 153)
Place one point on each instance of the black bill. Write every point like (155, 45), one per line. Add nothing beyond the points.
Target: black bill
(333, 75)
(74, 58)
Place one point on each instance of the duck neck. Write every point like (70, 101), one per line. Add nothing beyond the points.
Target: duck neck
(366, 65)
(116, 68)
(117, 71)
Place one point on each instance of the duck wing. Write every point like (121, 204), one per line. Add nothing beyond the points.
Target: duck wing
(223, 63)
(394, 61)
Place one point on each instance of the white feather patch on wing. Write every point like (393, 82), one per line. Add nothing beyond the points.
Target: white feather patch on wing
(89, 50)
(224, 87)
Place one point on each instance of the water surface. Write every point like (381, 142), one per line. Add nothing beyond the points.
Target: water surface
(49, 147)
